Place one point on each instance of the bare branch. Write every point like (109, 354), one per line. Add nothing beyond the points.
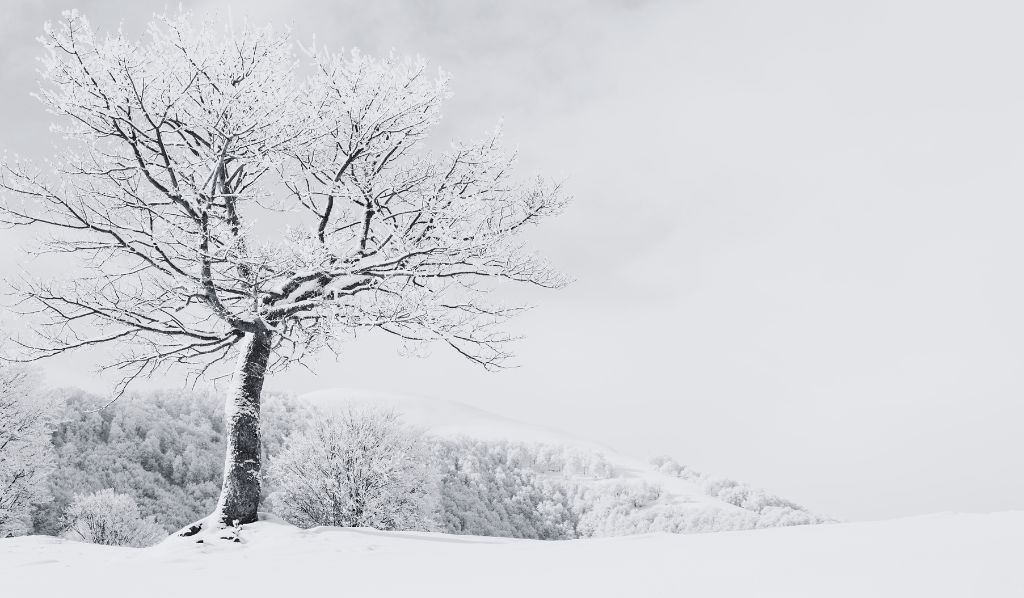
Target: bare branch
(179, 145)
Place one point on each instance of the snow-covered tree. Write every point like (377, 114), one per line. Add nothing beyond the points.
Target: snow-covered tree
(358, 468)
(106, 517)
(26, 455)
(176, 145)
(768, 509)
(499, 488)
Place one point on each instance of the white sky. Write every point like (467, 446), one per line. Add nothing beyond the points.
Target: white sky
(796, 234)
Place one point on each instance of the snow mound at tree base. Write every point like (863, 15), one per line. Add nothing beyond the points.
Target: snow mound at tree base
(952, 555)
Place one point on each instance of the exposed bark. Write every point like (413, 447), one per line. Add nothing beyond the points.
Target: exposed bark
(240, 494)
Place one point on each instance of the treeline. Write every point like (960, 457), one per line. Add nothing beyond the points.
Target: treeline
(163, 449)
(149, 464)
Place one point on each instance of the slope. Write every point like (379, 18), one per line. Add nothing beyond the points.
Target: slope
(936, 556)
(671, 497)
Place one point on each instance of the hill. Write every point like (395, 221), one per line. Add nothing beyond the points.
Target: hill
(631, 495)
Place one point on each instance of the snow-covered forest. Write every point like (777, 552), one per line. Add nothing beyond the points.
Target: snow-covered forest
(123, 477)
(154, 461)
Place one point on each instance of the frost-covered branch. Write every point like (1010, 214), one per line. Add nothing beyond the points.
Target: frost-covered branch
(181, 145)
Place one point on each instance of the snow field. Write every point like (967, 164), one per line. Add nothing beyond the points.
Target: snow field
(947, 555)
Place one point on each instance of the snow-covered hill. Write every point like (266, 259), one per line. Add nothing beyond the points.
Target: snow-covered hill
(934, 556)
(667, 495)
(443, 417)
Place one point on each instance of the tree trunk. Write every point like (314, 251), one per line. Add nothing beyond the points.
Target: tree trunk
(240, 494)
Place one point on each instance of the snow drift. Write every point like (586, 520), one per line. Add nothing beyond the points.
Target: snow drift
(934, 556)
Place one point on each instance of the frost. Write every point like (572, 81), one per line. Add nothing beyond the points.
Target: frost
(26, 456)
(111, 519)
(355, 469)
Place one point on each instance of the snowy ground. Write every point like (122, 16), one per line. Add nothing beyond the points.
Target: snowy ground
(934, 556)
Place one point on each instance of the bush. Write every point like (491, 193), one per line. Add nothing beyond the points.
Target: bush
(112, 519)
(358, 468)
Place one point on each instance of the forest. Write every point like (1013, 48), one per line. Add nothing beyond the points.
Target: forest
(151, 463)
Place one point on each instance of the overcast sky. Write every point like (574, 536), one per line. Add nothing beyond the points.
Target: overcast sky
(796, 235)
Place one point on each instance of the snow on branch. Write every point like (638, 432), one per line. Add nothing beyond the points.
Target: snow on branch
(177, 144)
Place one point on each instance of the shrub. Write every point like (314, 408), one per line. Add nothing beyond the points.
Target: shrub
(358, 468)
(112, 519)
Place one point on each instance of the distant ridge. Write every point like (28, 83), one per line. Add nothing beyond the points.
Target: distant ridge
(670, 496)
